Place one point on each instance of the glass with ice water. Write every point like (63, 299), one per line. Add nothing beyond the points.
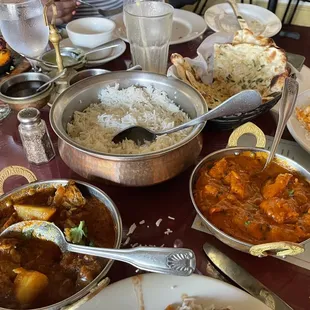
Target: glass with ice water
(23, 27)
(148, 26)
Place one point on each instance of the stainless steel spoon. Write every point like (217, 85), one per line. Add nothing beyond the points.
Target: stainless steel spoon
(242, 102)
(242, 23)
(111, 44)
(62, 73)
(174, 261)
(38, 60)
(286, 108)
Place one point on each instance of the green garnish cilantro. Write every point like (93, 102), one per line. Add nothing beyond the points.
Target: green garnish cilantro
(247, 223)
(78, 233)
(291, 192)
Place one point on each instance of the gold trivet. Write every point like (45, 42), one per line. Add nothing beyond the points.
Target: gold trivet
(15, 170)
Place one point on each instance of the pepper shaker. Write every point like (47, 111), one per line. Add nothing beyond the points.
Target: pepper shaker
(35, 138)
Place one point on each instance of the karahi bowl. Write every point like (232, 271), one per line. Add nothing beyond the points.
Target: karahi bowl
(87, 190)
(130, 170)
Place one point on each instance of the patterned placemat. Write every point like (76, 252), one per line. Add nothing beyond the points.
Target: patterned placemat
(294, 151)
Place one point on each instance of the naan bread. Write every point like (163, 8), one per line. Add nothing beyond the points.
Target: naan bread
(249, 62)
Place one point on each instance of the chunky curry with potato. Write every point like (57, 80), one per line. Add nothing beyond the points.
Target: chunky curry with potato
(33, 272)
(254, 206)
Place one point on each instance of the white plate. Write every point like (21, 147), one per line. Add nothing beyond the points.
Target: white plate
(186, 26)
(299, 133)
(94, 59)
(221, 18)
(156, 292)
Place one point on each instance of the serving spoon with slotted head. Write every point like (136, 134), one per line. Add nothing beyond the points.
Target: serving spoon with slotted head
(242, 102)
(173, 261)
(286, 108)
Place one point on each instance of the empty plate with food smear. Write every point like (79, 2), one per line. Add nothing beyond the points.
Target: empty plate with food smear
(299, 123)
(221, 18)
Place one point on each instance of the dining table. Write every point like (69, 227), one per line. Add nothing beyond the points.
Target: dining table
(163, 213)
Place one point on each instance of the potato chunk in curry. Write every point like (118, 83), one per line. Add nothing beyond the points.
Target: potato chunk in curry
(254, 206)
(28, 285)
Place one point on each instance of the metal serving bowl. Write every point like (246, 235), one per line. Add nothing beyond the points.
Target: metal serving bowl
(87, 190)
(37, 100)
(130, 170)
(278, 248)
(81, 75)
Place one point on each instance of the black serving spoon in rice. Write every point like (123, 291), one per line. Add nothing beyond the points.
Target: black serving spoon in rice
(242, 102)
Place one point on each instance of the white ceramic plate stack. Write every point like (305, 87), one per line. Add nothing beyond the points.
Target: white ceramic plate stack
(221, 18)
(186, 26)
(299, 133)
(156, 292)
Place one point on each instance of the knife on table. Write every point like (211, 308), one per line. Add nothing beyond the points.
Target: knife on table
(244, 279)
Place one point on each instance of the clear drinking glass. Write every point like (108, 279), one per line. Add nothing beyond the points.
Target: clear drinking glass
(23, 27)
(148, 26)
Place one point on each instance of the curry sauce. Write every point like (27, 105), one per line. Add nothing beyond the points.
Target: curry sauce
(34, 273)
(254, 206)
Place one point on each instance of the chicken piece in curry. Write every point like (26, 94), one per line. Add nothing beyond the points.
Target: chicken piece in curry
(33, 272)
(254, 206)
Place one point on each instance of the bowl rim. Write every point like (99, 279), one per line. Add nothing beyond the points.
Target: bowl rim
(124, 157)
(118, 228)
(102, 71)
(83, 19)
(235, 150)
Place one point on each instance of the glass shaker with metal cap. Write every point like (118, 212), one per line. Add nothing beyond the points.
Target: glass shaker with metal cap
(35, 137)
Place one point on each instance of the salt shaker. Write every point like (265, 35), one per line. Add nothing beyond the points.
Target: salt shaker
(35, 137)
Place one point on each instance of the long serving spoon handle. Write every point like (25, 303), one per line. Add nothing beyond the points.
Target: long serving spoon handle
(242, 102)
(63, 72)
(242, 23)
(173, 261)
(114, 43)
(286, 108)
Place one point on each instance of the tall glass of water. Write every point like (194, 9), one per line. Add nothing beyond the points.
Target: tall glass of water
(148, 26)
(23, 27)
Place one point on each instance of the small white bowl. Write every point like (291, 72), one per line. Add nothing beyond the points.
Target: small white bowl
(90, 32)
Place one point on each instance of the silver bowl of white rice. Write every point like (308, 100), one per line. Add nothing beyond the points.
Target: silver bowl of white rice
(91, 112)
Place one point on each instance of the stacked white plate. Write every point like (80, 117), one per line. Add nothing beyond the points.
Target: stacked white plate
(186, 26)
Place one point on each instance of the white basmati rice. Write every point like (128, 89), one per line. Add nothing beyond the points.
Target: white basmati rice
(95, 127)
(168, 231)
(158, 222)
(132, 228)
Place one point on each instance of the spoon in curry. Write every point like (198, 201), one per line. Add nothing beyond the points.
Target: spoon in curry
(286, 108)
(242, 102)
(173, 261)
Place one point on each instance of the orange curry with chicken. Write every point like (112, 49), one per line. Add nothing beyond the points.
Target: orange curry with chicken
(253, 206)
(34, 273)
